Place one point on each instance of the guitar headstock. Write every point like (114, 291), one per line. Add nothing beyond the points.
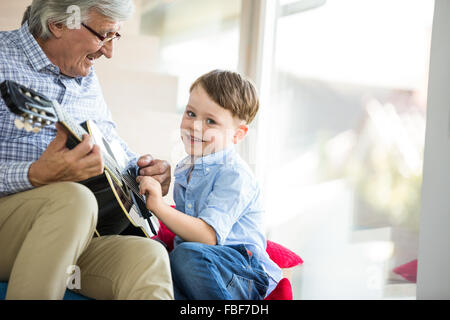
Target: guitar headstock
(35, 110)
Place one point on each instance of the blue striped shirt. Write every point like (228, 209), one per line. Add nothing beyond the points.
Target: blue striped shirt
(22, 60)
(223, 192)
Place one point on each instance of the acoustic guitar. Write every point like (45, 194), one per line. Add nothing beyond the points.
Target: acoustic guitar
(116, 190)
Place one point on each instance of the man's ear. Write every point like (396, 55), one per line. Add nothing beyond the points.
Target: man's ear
(240, 134)
(56, 29)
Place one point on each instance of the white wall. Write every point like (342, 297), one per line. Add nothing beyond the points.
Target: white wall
(434, 236)
(11, 13)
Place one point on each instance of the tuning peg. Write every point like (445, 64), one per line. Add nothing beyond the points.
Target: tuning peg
(36, 129)
(19, 124)
(28, 126)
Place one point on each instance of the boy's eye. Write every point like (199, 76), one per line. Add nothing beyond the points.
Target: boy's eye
(210, 121)
(190, 114)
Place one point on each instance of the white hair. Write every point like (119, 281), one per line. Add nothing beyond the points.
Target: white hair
(43, 12)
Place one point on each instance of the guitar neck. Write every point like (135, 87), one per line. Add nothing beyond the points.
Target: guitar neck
(77, 131)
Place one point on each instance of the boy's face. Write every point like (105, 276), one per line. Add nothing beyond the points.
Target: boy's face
(207, 127)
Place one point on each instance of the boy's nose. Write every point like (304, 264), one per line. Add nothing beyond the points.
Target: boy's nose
(198, 126)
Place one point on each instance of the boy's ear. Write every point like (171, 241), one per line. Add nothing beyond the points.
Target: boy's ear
(240, 134)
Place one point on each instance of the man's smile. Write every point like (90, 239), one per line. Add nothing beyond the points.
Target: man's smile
(92, 57)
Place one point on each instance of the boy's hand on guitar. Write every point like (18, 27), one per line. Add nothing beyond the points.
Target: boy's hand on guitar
(158, 169)
(58, 163)
(151, 188)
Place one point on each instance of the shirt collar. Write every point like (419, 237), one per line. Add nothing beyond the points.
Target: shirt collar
(33, 50)
(220, 157)
(202, 163)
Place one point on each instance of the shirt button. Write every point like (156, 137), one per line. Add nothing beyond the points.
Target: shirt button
(190, 206)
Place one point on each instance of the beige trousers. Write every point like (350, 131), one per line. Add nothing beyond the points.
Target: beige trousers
(46, 236)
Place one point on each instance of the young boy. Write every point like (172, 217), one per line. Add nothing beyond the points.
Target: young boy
(219, 251)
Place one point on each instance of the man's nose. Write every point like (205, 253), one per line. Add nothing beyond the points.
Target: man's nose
(107, 49)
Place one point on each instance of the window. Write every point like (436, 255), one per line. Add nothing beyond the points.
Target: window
(195, 37)
(346, 139)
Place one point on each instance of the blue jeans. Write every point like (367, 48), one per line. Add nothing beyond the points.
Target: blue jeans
(205, 272)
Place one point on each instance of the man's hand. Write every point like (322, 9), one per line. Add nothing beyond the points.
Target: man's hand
(58, 163)
(158, 169)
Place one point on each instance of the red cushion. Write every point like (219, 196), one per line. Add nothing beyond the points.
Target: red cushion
(408, 271)
(166, 236)
(283, 291)
(282, 256)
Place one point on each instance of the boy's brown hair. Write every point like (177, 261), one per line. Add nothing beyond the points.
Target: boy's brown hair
(232, 92)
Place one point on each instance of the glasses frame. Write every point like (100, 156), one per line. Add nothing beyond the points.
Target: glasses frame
(103, 39)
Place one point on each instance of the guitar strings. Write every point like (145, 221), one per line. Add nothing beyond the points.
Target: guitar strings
(109, 163)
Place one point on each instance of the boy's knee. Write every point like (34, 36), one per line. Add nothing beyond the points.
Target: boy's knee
(186, 254)
(186, 251)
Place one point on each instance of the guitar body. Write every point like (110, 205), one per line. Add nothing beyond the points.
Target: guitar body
(122, 209)
(118, 207)
(111, 219)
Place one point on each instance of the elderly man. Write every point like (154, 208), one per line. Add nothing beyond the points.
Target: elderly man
(47, 219)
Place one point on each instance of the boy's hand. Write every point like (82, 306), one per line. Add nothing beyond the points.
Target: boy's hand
(151, 188)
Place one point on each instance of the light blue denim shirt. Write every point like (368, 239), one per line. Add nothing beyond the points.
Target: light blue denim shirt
(223, 192)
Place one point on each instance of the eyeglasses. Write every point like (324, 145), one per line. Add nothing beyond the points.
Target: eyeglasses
(110, 36)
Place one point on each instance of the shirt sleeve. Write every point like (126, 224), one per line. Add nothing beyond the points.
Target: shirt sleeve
(13, 174)
(229, 199)
(14, 177)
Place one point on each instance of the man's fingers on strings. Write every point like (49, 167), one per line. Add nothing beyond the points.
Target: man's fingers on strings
(93, 161)
(84, 147)
(155, 168)
(145, 160)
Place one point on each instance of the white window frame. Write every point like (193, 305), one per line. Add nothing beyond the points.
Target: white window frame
(257, 42)
(433, 278)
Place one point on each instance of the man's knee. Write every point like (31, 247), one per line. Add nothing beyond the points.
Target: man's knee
(138, 253)
(150, 250)
(76, 193)
(77, 204)
(146, 268)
